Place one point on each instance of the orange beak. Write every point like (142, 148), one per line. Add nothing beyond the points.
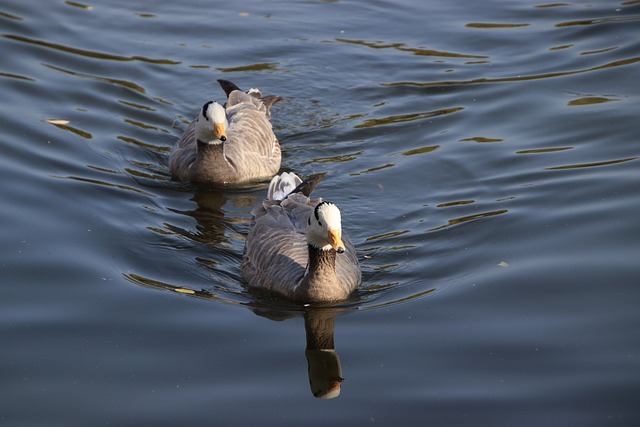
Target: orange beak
(335, 240)
(219, 131)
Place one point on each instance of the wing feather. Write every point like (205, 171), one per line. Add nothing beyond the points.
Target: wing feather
(275, 252)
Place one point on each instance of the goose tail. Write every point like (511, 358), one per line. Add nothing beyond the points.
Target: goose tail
(228, 86)
(269, 100)
(307, 186)
(282, 185)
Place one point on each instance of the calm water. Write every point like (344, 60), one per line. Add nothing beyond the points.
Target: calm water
(485, 155)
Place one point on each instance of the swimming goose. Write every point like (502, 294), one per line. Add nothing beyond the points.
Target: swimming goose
(230, 144)
(295, 245)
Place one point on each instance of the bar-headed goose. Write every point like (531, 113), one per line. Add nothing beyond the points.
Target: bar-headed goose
(296, 247)
(230, 144)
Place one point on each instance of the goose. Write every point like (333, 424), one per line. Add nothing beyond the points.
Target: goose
(229, 144)
(295, 246)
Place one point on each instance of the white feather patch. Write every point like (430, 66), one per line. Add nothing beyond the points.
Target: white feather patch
(282, 185)
(331, 215)
(216, 113)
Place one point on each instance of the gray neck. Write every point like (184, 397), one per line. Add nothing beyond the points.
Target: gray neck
(211, 162)
(319, 260)
(321, 282)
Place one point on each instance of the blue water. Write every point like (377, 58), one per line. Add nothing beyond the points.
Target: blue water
(485, 158)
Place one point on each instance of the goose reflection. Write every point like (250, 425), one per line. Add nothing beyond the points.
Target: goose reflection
(325, 371)
(217, 212)
(323, 362)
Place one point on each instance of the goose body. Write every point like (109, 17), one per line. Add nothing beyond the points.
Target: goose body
(230, 144)
(296, 247)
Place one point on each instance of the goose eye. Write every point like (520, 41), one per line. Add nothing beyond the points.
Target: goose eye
(319, 223)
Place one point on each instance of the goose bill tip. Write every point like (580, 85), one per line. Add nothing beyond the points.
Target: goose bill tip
(335, 240)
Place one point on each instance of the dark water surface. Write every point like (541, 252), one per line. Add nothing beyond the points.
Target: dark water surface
(485, 155)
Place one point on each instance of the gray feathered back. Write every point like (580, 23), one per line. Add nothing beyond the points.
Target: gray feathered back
(251, 152)
(276, 251)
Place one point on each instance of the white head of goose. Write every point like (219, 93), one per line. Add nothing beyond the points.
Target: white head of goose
(230, 144)
(324, 228)
(211, 124)
(296, 246)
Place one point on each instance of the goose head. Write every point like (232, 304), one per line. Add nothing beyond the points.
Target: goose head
(324, 229)
(211, 126)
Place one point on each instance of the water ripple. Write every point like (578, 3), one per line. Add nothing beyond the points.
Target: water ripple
(494, 25)
(407, 117)
(16, 76)
(10, 16)
(591, 164)
(598, 21)
(64, 125)
(485, 80)
(107, 184)
(124, 83)
(87, 53)
(468, 218)
(402, 47)
(263, 66)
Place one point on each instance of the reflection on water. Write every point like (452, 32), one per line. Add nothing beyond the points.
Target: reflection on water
(325, 371)
(324, 368)
(323, 362)
(216, 215)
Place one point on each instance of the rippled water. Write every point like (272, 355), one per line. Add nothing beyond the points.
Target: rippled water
(484, 154)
